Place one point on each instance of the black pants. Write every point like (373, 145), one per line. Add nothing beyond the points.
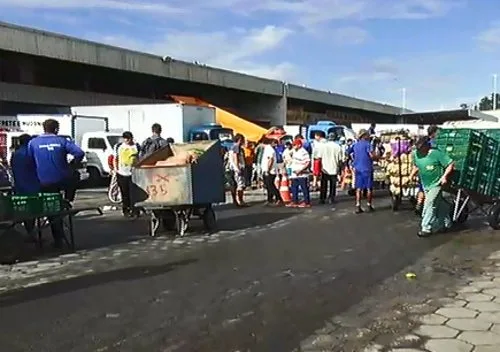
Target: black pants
(56, 222)
(273, 194)
(248, 175)
(125, 185)
(71, 187)
(328, 183)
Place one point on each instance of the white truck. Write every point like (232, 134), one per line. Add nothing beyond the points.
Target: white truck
(419, 130)
(84, 130)
(179, 121)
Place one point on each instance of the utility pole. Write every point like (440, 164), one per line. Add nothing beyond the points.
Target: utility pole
(403, 100)
(495, 91)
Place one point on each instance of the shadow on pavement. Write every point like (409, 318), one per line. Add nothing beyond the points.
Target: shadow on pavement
(251, 220)
(83, 282)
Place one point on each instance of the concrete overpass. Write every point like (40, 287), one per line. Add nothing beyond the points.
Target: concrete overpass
(47, 69)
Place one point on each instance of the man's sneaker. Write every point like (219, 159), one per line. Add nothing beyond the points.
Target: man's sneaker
(424, 234)
(291, 205)
(359, 210)
(304, 205)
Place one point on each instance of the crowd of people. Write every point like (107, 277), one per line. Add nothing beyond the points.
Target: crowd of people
(320, 165)
(40, 164)
(329, 162)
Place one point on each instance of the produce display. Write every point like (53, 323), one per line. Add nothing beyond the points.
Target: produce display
(181, 158)
(399, 168)
(176, 155)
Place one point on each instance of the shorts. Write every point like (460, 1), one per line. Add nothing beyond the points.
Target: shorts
(363, 179)
(317, 167)
(239, 180)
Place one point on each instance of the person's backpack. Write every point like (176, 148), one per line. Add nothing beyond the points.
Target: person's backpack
(151, 145)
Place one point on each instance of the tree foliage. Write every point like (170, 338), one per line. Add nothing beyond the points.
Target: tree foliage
(486, 103)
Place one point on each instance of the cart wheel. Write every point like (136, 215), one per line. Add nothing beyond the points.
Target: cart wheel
(464, 216)
(494, 217)
(395, 202)
(351, 192)
(209, 220)
(181, 223)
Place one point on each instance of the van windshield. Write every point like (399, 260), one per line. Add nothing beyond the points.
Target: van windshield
(113, 140)
(222, 134)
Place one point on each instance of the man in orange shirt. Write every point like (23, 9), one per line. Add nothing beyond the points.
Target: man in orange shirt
(249, 161)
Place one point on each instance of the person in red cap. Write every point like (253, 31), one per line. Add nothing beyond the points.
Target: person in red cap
(300, 165)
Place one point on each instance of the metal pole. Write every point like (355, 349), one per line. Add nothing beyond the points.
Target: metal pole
(494, 91)
(403, 100)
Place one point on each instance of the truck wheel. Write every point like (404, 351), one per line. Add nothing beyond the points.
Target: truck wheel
(94, 176)
(494, 217)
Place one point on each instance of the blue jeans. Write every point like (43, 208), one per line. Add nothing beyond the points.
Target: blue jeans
(300, 184)
(436, 212)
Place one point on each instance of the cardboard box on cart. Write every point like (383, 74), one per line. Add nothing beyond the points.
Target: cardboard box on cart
(180, 174)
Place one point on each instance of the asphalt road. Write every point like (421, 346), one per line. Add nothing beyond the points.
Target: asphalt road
(258, 293)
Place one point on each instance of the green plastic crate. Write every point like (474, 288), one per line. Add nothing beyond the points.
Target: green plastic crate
(467, 148)
(51, 202)
(26, 205)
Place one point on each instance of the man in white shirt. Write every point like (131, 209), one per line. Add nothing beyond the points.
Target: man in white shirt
(301, 162)
(332, 156)
(268, 168)
(319, 141)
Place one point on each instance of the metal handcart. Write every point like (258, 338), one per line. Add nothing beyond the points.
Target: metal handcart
(172, 195)
(464, 202)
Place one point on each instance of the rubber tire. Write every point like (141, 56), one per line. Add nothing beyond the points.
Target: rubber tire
(95, 178)
(494, 217)
(180, 224)
(209, 220)
(395, 202)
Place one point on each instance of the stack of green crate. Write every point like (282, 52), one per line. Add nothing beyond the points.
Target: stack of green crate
(467, 148)
(494, 169)
(25, 205)
(487, 175)
(51, 202)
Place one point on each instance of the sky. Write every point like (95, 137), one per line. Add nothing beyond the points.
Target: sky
(442, 53)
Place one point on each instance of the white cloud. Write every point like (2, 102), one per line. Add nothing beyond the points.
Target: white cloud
(238, 49)
(312, 12)
(349, 36)
(303, 12)
(489, 39)
(129, 5)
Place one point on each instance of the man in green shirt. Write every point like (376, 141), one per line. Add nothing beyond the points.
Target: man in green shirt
(434, 168)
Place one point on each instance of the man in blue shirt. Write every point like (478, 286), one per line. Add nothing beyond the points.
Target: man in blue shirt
(50, 154)
(24, 172)
(363, 155)
(23, 169)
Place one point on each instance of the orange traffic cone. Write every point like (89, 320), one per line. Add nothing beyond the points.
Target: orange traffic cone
(285, 189)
